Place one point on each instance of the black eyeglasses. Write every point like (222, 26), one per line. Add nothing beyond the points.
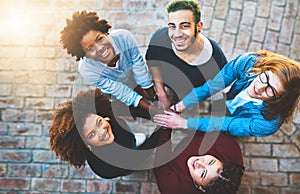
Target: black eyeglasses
(270, 91)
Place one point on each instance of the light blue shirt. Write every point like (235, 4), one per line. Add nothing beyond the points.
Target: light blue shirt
(239, 100)
(130, 71)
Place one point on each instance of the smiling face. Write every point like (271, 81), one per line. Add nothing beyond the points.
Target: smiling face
(204, 169)
(182, 29)
(97, 46)
(96, 131)
(265, 86)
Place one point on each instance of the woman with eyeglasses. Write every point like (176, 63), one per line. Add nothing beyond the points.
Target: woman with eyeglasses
(264, 93)
(210, 163)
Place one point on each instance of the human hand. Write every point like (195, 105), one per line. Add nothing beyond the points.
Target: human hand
(153, 110)
(178, 108)
(170, 120)
(164, 101)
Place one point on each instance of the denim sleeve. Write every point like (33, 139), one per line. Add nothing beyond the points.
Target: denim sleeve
(140, 70)
(119, 90)
(91, 71)
(227, 75)
(236, 126)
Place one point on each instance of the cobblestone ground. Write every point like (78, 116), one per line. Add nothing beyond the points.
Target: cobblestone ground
(36, 74)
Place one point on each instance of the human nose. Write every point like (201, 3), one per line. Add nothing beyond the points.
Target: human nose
(100, 132)
(177, 32)
(260, 85)
(199, 164)
(98, 47)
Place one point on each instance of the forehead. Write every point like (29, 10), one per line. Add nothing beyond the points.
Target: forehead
(181, 16)
(89, 123)
(90, 37)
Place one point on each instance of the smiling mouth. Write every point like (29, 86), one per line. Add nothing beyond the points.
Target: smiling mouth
(255, 91)
(105, 136)
(105, 53)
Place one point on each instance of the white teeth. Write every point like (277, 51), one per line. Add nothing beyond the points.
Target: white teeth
(179, 41)
(106, 136)
(105, 53)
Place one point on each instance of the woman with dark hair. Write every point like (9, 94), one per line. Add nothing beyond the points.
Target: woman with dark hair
(109, 60)
(209, 163)
(86, 129)
(264, 93)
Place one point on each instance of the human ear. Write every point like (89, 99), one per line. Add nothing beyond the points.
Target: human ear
(199, 26)
(106, 118)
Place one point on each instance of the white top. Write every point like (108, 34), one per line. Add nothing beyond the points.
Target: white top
(240, 99)
(204, 55)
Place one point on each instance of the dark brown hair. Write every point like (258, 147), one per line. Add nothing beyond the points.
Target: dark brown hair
(69, 117)
(79, 25)
(228, 181)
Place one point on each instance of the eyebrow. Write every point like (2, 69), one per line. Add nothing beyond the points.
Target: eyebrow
(97, 37)
(182, 23)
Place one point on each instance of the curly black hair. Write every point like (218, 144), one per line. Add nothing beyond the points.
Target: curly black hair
(79, 25)
(228, 181)
(186, 5)
(69, 117)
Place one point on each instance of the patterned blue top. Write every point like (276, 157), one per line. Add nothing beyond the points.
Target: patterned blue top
(247, 119)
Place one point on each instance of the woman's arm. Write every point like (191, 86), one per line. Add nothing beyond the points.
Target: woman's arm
(119, 90)
(227, 75)
(236, 126)
(140, 70)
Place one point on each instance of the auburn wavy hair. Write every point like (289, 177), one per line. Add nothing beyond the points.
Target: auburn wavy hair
(287, 70)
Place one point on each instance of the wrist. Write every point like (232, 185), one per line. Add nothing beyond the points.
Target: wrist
(184, 124)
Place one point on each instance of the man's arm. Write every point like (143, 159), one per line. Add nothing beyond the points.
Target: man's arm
(159, 86)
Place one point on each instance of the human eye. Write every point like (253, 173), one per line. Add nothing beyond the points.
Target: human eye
(91, 135)
(99, 39)
(270, 91)
(171, 27)
(263, 77)
(185, 26)
(99, 122)
(211, 162)
(203, 174)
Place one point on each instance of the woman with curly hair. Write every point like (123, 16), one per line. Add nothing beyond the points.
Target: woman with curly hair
(264, 93)
(110, 60)
(86, 129)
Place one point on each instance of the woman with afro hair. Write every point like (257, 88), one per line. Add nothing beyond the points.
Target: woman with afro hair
(110, 60)
(86, 129)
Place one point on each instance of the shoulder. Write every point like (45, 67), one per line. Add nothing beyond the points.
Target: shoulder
(120, 34)
(161, 31)
(248, 58)
(160, 37)
(117, 32)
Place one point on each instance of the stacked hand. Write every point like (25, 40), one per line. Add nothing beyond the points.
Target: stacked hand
(170, 119)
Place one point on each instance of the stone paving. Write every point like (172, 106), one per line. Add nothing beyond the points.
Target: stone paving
(36, 74)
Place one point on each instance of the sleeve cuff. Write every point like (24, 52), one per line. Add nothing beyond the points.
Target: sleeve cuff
(137, 100)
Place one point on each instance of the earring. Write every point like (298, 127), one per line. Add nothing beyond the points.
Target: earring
(89, 147)
(107, 118)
